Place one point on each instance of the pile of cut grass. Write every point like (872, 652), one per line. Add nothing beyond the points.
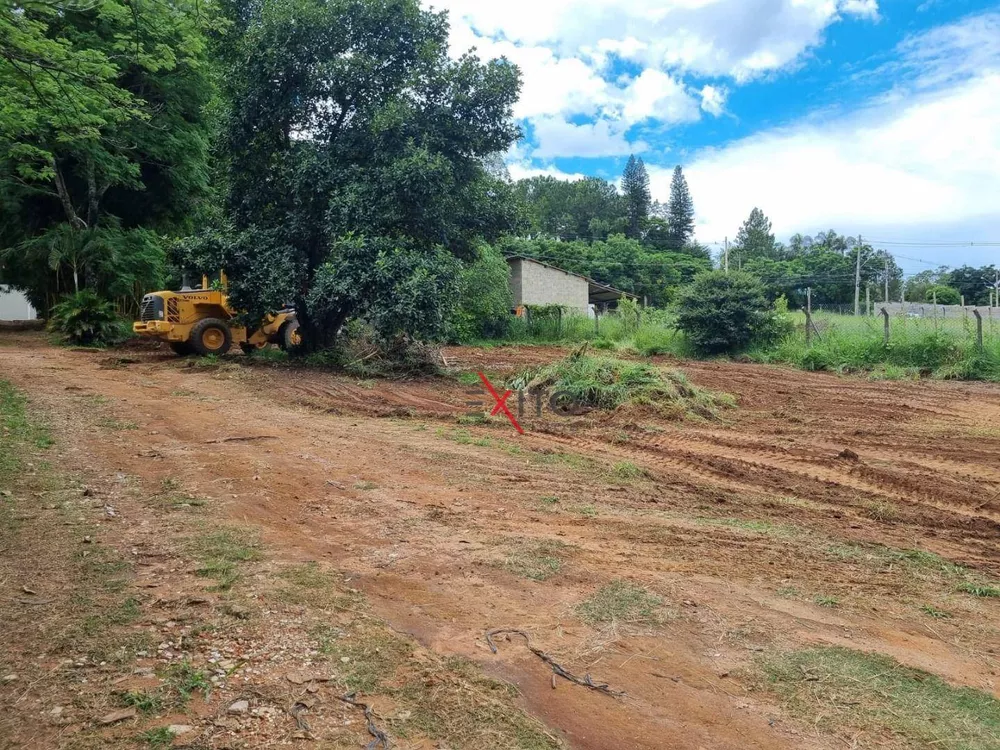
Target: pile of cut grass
(599, 382)
(868, 696)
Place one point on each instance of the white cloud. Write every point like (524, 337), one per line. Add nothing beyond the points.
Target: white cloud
(740, 38)
(713, 99)
(932, 162)
(522, 170)
(655, 95)
(564, 49)
(556, 137)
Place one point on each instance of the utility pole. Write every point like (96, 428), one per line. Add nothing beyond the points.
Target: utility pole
(887, 278)
(809, 300)
(727, 254)
(868, 300)
(857, 282)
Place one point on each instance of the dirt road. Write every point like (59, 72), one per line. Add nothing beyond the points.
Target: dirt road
(785, 523)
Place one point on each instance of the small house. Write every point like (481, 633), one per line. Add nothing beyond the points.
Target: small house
(536, 283)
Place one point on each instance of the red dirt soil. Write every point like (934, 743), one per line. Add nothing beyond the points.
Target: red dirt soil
(731, 522)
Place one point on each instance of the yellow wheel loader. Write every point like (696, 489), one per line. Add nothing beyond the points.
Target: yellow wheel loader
(200, 321)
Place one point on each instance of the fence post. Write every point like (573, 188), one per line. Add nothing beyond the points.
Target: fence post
(597, 322)
(560, 321)
(885, 315)
(808, 326)
(979, 329)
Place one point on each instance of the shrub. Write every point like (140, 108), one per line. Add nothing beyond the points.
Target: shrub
(86, 319)
(943, 295)
(724, 312)
(484, 299)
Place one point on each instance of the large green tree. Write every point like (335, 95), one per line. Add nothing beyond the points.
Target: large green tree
(974, 284)
(104, 136)
(635, 187)
(754, 240)
(358, 154)
(680, 211)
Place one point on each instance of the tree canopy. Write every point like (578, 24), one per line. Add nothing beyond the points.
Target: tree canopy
(359, 179)
(104, 140)
(635, 187)
(680, 211)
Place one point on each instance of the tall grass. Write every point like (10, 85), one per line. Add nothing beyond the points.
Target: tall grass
(917, 347)
(653, 333)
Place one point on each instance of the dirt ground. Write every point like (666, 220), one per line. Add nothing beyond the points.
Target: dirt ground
(768, 529)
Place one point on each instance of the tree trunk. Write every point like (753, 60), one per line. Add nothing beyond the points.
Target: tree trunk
(71, 216)
(92, 198)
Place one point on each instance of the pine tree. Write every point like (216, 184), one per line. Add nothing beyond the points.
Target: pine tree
(680, 211)
(635, 185)
(754, 239)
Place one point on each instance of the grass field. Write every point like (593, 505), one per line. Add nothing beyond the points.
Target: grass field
(918, 347)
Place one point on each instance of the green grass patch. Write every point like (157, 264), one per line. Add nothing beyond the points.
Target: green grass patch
(142, 701)
(979, 589)
(934, 612)
(628, 471)
(621, 602)
(868, 696)
(185, 681)
(17, 430)
(607, 383)
(220, 554)
(156, 739)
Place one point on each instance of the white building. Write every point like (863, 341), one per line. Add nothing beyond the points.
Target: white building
(15, 306)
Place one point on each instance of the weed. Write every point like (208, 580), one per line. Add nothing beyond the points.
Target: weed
(788, 592)
(826, 601)
(469, 378)
(169, 484)
(549, 502)
(933, 611)
(620, 602)
(854, 693)
(220, 553)
(473, 419)
(146, 703)
(586, 510)
(158, 738)
(365, 486)
(185, 681)
(979, 589)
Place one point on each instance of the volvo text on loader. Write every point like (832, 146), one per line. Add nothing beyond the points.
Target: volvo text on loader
(200, 321)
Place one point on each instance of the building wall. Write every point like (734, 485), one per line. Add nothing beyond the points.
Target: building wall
(534, 284)
(15, 306)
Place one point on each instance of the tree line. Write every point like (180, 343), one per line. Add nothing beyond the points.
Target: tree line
(331, 154)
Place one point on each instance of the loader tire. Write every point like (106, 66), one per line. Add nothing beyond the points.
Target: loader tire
(211, 336)
(290, 338)
(181, 348)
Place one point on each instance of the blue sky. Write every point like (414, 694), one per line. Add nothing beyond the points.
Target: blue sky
(878, 117)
